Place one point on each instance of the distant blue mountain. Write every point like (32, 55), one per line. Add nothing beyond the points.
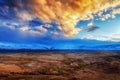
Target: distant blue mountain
(65, 45)
(88, 45)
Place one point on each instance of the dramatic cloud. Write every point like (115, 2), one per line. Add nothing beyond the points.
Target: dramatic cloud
(41, 29)
(38, 30)
(24, 28)
(25, 16)
(90, 24)
(116, 11)
(92, 28)
(112, 37)
(66, 13)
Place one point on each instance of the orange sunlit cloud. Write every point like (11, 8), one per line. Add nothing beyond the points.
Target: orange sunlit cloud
(69, 12)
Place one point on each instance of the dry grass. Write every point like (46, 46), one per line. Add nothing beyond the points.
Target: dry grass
(59, 67)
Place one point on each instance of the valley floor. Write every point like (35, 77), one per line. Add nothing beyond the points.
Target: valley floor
(79, 65)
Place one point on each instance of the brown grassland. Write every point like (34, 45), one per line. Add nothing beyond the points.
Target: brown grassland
(97, 65)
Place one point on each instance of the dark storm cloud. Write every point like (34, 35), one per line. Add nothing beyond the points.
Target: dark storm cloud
(92, 28)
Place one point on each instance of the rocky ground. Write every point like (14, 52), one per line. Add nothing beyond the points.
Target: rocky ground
(79, 65)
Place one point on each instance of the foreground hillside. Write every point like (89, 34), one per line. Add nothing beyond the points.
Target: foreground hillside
(77, 65)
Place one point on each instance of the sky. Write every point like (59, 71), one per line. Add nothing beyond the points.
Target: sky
(60, 24)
